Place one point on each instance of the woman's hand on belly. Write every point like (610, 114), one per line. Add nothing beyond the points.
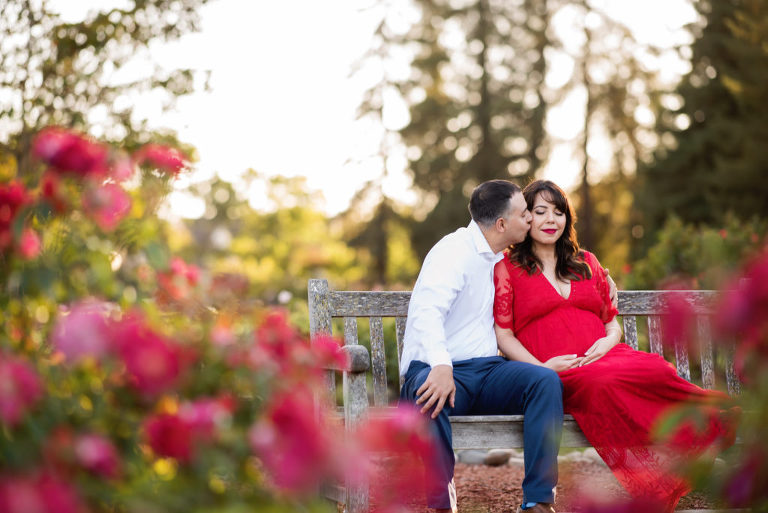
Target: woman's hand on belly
(563, 362)
(599, 349)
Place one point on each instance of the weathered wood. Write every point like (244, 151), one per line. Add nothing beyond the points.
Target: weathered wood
(400, 334)
(734, 387)
(705, 346)
(504, 432)
(630, 331)
(320, 322)
(681, 360)
(359, 360)
(654, 335)
(350, 331)
(369, 304)
(379, 362)
(650, 302)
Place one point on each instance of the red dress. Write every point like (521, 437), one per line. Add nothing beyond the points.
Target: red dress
(616, 399)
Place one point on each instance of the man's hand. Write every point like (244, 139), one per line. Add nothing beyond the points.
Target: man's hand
(437, 389)
(614, 290)
(563, 362)
(598, 349)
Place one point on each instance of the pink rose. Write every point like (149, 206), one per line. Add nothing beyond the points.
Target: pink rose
(164, 158)
(153, 362)
(98, 455)
(169, 436)
(83, 332)
(20, 389)
(29, 244)
(68, 151)
(106, 204)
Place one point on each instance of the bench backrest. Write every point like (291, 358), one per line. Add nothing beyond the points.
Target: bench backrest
(326, 304)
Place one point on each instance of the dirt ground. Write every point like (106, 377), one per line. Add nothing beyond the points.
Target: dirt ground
(485, 489)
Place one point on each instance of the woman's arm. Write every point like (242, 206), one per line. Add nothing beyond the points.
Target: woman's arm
(604, 344)
(513, 349)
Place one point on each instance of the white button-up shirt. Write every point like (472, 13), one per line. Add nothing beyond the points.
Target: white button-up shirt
(450, 315)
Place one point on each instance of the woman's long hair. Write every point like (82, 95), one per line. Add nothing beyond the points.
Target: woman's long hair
(570, 259)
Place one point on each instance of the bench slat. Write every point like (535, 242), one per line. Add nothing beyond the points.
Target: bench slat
(504, 432)
(681, 360)
(652, 302)
(630, 331)
(353, 384)
(734, 387)
(707, 363)
(379, 362)
(369, 304)
(320, 321)
(400, 334)
(654, 335)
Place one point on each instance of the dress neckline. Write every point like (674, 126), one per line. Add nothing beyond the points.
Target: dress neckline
(555, 289)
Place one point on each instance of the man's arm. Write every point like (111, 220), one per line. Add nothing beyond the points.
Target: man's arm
(440, 282)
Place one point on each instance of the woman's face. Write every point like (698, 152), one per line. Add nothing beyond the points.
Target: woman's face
(548, 222)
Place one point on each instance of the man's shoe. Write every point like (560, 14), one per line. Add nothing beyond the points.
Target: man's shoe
(538, 508)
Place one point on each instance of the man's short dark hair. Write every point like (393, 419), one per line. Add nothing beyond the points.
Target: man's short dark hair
(490, 200)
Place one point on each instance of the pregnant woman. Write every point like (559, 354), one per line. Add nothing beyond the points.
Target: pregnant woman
(552, 308)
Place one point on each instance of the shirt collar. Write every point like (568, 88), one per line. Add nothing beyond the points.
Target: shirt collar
(481, 243)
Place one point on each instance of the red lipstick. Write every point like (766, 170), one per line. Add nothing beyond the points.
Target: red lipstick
(549, 231)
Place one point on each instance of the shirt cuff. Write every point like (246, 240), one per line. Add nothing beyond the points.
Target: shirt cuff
(439, 357)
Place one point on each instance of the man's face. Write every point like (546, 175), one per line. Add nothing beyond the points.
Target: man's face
(517, 220)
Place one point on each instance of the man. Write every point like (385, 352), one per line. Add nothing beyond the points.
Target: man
(450, 357)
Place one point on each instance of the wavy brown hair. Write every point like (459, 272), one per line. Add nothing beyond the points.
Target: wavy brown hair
(570, 259)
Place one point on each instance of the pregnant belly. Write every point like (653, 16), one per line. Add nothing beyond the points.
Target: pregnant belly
(561, 333)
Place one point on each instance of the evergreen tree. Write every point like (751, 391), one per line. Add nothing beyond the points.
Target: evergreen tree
(714, 162)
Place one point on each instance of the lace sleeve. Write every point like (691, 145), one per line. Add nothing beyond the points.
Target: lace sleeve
(502, 303)
(607, 310)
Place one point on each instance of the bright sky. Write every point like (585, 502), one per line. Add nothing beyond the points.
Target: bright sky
(282, 100)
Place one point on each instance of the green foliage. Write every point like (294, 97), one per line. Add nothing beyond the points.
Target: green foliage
(697, 257)
(713, 162)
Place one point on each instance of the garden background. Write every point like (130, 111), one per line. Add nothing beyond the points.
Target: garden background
(128, 267)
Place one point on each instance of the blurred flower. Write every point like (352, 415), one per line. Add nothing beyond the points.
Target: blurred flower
(45, 493)
(169, 436)
(748, 481)
(326, 352)
(162, 157)
(123, 168)
(52, 192)
(295, 443)
(13, 196)
(97, 455)
(153, 362)
(83, 331)
(20, 389)
(177, 283)
(394, 446)
(68, 151)
(206, 416)
(742, 315)
(678, 320)
(29, 244)
(107, 204)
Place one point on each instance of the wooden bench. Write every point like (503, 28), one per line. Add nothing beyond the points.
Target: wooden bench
(487, 431)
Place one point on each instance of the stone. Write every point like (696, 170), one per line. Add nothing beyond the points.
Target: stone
(471, 457)
(497, 457)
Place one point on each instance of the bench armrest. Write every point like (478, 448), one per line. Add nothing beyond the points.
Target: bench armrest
(359, 359)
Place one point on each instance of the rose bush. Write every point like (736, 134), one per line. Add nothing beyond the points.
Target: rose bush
(122, 388)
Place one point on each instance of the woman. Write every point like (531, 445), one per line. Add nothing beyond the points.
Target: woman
(552, 308)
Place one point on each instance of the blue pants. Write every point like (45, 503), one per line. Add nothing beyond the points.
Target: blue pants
(496, 386)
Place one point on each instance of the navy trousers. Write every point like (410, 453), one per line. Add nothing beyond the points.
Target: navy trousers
(496, 386)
